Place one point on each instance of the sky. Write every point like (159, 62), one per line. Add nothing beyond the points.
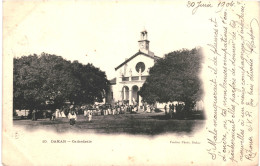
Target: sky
(100, 32)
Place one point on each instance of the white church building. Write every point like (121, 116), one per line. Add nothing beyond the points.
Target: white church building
(131, 74)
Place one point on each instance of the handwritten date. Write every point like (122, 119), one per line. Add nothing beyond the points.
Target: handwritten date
(200, 4)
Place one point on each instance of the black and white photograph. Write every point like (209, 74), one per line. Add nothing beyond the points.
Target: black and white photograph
(149, 94)
(106, 78)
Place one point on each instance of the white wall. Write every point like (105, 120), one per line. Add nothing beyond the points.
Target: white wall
(149, 62)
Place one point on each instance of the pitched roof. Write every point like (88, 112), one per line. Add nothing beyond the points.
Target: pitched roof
(113, 81)
(132, 57)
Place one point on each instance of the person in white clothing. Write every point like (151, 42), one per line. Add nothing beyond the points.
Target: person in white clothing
(90, 116)
(72, 117)
(148, 108)
(86, 111)
(113, 111)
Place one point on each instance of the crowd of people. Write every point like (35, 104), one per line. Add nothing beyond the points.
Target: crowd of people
(171, 109)
(89, 110)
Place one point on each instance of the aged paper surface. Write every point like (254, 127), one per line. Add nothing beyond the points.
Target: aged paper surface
(228, 32)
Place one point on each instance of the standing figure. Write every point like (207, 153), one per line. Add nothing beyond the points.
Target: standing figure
(122, 109)
(135, 109)
(174, 108)
(101, 110)
(148, 108)
(152, 108)
(90, 115)
(170, 110)
(72, 116)
(86, 111)
(131, 109)
(53, 116)
(118, 109)
(33, 115)
(109, 110)
(113, 110)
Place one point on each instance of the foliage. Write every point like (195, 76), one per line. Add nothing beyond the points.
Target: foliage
(175, 78)
(49, 81)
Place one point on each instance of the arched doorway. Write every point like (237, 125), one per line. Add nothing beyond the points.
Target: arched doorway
(135, 94)
(125, 94)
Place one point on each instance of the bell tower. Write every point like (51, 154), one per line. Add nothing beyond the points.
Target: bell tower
(144, 42)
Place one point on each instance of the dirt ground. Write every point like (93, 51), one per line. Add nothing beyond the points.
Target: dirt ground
(140, 123)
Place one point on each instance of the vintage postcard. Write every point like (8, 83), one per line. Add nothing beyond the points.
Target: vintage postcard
(130, 82)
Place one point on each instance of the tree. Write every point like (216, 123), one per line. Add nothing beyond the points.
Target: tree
(26, 83)
(93, 83)
(175, 78)
(50, 80)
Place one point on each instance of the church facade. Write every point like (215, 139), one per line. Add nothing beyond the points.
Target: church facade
(131, 74)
